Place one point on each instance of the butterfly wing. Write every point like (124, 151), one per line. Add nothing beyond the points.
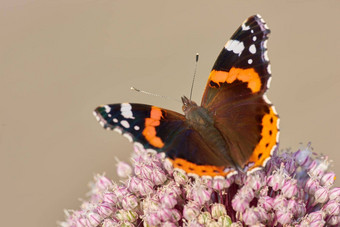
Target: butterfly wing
(235, 95)
(165, 131)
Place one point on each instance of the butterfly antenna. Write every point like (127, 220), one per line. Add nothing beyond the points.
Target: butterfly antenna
(152, 94)
(193, 79)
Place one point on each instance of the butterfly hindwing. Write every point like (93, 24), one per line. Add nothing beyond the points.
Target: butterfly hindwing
(163, 131)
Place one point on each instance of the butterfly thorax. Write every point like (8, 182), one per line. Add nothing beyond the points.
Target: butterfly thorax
(202, 121)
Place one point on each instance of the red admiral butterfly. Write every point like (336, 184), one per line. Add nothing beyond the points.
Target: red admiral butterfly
(236, 126)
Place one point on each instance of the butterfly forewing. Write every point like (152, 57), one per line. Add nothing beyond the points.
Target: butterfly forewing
(235, 94)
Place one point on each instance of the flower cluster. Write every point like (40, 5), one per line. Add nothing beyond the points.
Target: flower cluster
(294, 189)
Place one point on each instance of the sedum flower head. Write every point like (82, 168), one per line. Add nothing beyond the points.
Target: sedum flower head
(293, 189)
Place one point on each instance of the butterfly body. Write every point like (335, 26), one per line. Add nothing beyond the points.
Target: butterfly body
(235, 128)
(202, 121)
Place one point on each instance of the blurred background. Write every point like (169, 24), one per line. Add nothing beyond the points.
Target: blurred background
(61, 59)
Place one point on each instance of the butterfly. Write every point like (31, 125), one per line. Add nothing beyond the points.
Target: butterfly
(236, 128)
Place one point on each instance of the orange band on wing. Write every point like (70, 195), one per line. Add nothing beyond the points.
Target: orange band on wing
(151, 123)
(200, 170)
(268, 141)
(249, 76)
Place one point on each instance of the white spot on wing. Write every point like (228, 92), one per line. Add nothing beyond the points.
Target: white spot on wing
(278, 126)
(125, 124)
(219, 178)
(253, 170)
(115, 120)
(244, 27)
(125, 110)
(118, 130)
(136, 127)
(231, 174)
(152, 151)
(265, 44)
(139, 146)
(96, 115)
(266, 99)
(266, 56)
(250, 61)
(101, 123)
(274, 110)
(252, 49)
(235, 46)
(107, 108)
(269, 69)
(128, 136)
(254, 38)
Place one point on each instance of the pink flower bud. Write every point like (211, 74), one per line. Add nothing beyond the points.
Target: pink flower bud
(266, 202)
(145, 187)
(94, 218)
(105, 210)
(103, 183)
(126, 215)
(191, 211)
(158, 176)
(300, 209)
(276, 181)
(328, 179)
(130, 202)
(239, 204)
(110, 197)
(224, 221)
(218, 210)
(333, 220)
(133, 184)
(311, 186)
(289, 189)
(256, 181)
(180, 177)
(316, 219)
(332, 208)
(279, 202)
(121, 192)
(283, 216)
(220, 184)
(200, 193)
(168, 200)
(321, 195)
(165, 214)
(110, 223)
(146, 171)
(152, 219)
(250, 217)
(303, 158)
(319, 168)
(168, 166)
(123, 169)
(334, 194)
(204, 218)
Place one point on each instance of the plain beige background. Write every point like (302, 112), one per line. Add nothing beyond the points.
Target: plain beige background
(60, 59)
